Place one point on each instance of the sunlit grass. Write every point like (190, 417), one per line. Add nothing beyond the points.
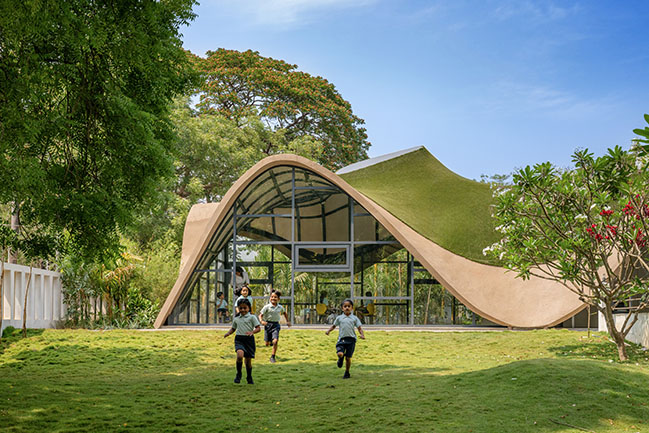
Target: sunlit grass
(415, 381)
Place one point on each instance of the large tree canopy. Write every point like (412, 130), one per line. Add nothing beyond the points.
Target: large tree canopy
(238, 84)
(85, 87)
(586, 227)
(214, 151)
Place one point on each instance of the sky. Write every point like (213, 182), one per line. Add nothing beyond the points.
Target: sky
(486, 86)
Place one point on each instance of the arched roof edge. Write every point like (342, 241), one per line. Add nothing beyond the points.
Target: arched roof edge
(457, 274)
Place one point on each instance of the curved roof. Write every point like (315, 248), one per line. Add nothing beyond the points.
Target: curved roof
(487, 290)
(450, 210)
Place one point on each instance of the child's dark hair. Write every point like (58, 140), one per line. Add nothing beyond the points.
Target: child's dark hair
(277, 292)
(347, 300)
(218, 294)
(244, 301)
(245, 286)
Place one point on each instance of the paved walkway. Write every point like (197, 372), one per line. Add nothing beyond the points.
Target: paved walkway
(393, 328)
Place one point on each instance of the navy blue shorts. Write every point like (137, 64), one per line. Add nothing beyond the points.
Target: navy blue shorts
(271, 331)
(346, 345)
(245, 343)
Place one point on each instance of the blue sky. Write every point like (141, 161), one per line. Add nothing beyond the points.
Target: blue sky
(486, 86)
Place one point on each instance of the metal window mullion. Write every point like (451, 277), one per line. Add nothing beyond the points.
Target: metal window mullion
(350, 255)
(293, 245)
(412, 289)
(198, 301)
(263, 215)
(234, 253)
(207, 299)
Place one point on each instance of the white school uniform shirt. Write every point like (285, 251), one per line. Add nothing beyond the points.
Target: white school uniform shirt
(241, 298)
(271, 313)
(347, 325)
(243, 324)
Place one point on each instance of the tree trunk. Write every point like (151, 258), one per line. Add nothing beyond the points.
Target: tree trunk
(617, 337)
(15, 226)
(2, 278)
(427, 305)
(29, 281)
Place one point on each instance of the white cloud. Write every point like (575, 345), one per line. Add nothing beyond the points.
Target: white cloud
(537, 11)
(507, 96)
(284, 13)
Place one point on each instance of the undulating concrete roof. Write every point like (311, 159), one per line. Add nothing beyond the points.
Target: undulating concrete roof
(402, 193)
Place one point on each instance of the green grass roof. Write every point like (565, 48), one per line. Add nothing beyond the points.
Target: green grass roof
(452, 211)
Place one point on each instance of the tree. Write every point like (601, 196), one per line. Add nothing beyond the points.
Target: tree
(240, 84)
(8, 241)
(213, 151)
(85, 90)
(585, 227)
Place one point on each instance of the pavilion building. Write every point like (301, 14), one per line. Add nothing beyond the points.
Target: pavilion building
(401, 235)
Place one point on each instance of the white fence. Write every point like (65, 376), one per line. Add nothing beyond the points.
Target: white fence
(638, 334)
(45, 308)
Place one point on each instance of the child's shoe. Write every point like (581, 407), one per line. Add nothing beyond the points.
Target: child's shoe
(339, 363)
(346, 375)
(272, 359)
(237, 378)
(249, 380)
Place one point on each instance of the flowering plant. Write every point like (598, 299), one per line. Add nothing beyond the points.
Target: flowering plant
(586, 227)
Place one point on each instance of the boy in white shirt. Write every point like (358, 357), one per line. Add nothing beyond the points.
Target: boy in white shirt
(269, 317)
(346, 335)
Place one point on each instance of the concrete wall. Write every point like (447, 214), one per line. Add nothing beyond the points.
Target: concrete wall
(639, 333)
(45, 308)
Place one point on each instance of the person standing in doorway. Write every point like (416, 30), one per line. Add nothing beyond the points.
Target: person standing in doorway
(239, 280)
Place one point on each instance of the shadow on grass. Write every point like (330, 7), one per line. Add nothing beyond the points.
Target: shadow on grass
(600, 349)
(10, 336)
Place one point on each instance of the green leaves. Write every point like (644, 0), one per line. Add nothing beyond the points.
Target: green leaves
(244, 85)
(587, 226)
(85, 89)
(644, 150)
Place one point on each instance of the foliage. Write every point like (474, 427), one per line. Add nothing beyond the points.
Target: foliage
(81, 286)
(645, 134)
(241, 85)
(84, 93)
(140, 311)
(586, 227)
(416, 381)
(157, 273)
(214, 151)
(101, 295)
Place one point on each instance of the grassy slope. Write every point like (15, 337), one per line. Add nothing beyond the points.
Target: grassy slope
(424, 382)
(446, 208)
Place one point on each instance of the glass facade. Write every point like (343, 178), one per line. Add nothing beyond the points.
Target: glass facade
(293, 231)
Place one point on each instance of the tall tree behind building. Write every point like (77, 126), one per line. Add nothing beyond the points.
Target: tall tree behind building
(239, 84)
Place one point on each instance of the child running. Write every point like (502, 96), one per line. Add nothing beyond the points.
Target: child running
(246, 326)
(346, 335)
(245, 294)
(269, 317)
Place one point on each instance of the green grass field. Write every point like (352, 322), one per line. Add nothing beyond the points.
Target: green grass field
(181, 381)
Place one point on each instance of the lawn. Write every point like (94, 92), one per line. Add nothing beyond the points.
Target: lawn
(181, 381)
